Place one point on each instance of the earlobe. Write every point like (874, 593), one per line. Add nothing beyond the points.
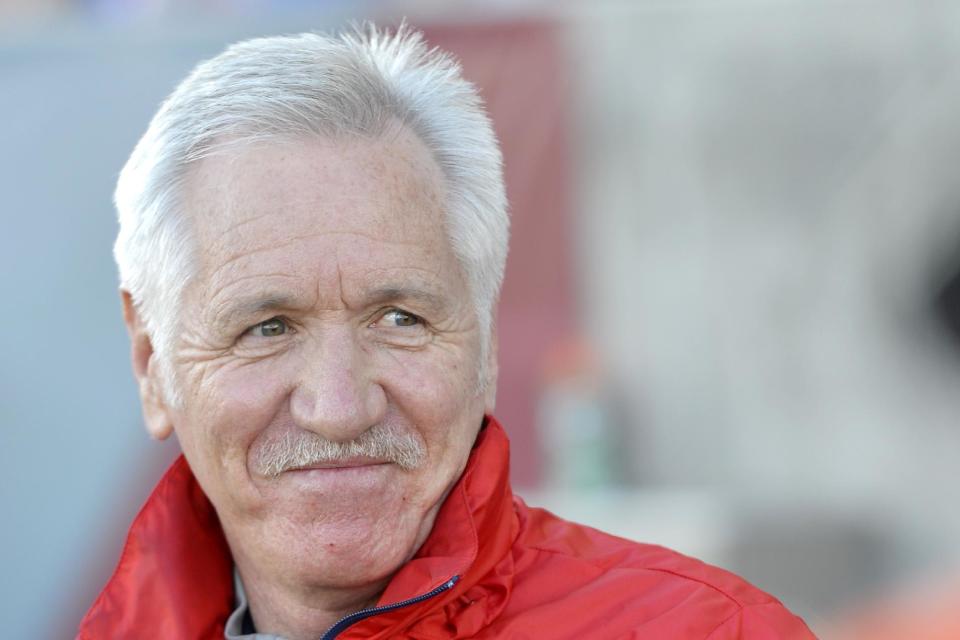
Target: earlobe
(156, 414)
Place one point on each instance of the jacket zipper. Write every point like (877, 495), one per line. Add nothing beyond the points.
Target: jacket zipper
(346, 621)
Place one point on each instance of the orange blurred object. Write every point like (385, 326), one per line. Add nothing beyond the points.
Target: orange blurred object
(930, 612)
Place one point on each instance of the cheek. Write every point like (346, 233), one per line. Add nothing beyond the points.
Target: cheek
(434, 386)
(437, 393)
(238, 402)
(255, 390)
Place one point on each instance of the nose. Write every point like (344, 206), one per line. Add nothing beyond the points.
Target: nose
(336, 395)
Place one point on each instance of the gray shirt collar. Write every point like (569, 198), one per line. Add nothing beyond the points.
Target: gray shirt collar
(234, 627)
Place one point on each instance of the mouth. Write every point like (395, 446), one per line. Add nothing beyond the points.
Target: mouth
(342, 465)
(345, 477)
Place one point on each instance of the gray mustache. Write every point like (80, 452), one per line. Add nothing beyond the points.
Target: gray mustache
(305, 448)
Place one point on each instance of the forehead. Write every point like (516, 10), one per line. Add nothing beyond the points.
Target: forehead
(370, 210)
(354, 184)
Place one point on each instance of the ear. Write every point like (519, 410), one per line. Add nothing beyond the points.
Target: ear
(490, 389)
(156, 414)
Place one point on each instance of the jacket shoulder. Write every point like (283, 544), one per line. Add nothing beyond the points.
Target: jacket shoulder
(638, 590)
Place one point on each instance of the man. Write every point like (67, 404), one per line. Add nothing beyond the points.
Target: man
(313, 233)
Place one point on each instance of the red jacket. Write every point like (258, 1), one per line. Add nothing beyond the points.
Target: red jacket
(498, 569)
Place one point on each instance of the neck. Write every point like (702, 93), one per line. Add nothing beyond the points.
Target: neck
(301, 611)
(289, 598)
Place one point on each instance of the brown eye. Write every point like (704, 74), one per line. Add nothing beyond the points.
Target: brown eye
(270, 328)
(398, 318)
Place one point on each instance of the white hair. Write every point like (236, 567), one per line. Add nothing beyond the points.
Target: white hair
(283, 88)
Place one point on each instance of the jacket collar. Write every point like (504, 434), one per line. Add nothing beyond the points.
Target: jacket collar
(174, 577)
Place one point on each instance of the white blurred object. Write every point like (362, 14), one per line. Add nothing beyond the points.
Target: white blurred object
(698, 523)
(574, 423)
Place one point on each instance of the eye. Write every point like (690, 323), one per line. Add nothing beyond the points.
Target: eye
(400, 318)
(269, 328)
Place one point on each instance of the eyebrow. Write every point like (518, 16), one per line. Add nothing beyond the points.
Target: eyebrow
(245, 308)
(240, 309)
(380, 295)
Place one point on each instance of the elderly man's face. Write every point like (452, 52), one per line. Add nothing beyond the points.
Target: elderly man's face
(327, 304)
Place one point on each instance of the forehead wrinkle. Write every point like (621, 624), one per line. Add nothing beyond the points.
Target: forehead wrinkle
(288, 240)
(216, 305)
(306, 202)
(235, 225)
(334, 257)
(410, 277)
(245, 253)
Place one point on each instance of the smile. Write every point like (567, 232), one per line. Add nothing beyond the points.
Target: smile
(342, 465)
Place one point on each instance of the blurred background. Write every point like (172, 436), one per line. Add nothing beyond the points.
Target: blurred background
(731, 318)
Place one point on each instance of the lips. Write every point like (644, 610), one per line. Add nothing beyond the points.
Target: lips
(349, 463)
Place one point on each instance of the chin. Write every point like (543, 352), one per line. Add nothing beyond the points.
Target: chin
(339, 560)
(322, 542)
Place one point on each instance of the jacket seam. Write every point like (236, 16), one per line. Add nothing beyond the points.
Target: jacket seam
(714, 587)
(723, 623)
